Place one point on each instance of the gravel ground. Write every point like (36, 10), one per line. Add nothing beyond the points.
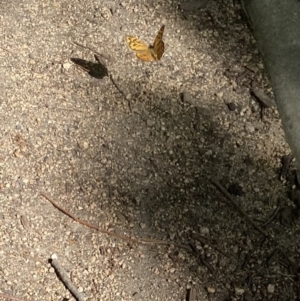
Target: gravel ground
(133, 150)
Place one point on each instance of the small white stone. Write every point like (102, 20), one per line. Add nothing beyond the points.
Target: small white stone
(220, 94)
(18, 154)
(150, 122)
(239, 291)
(209, 152)
(204, 230)
(143, 225)
(51, 270)
(211, 290)
(67, 66)
(271, 288)
(85, 145)
(181, 256)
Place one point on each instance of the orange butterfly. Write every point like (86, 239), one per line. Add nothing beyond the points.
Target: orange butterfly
(148, 53)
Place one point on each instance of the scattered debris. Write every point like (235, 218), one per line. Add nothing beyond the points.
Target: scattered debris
(263, 98)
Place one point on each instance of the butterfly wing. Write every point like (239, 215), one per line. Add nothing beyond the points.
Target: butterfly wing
(136, 44)
(143, 51)
(158, 45)
(159, 50)
(145, 55)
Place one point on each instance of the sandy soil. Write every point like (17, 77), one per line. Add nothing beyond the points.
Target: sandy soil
(135, 149)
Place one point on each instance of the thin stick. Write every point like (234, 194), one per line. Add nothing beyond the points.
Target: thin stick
(273, 215)
(65, 279)
(239, 209)
(114, 234)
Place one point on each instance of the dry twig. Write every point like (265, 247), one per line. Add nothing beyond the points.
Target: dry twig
(239, 209)
(113, 234)
(274, 213)
(65, 279)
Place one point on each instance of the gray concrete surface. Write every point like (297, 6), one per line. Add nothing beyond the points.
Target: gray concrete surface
(276, 27)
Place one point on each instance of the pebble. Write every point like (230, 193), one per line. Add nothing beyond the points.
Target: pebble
(204, 230)
(235, 249)
(143, 225)
(209, 152)
(271, 288)
(18, 154)
(187, 97)
(239, 291)
(232, 106)
(25, 222)
(150, 122)
(106, 13)
(211, 290)
(220, 94)
(67, 66)
(121, 217)
(206, 112)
